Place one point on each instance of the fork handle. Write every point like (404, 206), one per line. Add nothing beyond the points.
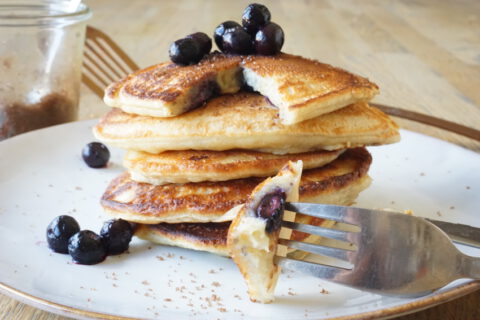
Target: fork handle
(471, 267)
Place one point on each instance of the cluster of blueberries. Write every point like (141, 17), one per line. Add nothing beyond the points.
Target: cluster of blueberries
(85, 246)
(256, 35)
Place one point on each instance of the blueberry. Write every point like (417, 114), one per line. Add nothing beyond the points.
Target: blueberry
(185, 51)
(237, 41)
(116, 235)
(269, 39)
(86, 247)
(271, 208)
(220, 31)
(96, 155)
(247, 88)
(255, 16)
(59, 231)
(203, 41)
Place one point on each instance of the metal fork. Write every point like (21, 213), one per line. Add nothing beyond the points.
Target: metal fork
(391, 253)
(103, 61)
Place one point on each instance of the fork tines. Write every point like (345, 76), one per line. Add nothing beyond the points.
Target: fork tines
(344, 251)
(337, 253)
(323, 271)
(104, 61)
(325, 211)
(319, 231)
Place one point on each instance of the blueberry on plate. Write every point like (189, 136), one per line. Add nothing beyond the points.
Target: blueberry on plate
(237, 41)
(96, 155)
(59, 231)
(203, 41)
(116, 235)
(86, 247)
(269, 39)
(221, 29)
(255, 16)
(185, 51)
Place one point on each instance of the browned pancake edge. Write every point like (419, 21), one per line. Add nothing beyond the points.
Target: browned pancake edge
(209, 201)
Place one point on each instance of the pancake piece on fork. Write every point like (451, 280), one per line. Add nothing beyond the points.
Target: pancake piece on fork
(254, 233)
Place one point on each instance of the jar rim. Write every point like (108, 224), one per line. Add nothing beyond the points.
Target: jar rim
(41, 14)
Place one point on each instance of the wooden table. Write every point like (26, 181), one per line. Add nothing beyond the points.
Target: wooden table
(424, 55)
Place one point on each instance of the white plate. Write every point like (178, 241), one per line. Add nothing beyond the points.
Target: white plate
(42, 175)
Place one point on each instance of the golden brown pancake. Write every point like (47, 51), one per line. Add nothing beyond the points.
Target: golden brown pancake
(210, 237)
(247, 121)
(168, 89)
(196, 166)
(338, 182)
(302, 88)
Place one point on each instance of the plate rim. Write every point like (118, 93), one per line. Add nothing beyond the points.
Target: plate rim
(403, 309)
(385, 313)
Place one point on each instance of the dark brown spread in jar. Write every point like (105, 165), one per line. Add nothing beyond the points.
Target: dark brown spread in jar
(52, 109)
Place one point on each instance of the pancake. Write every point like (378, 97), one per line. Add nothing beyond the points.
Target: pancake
(196, 166)
(209, 237)
(341, 189)
(338, 182)
(247, 121)
(302, 88)
(253, 234)
(168, 89)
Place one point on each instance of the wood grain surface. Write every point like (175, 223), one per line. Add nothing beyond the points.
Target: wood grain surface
(424, 55)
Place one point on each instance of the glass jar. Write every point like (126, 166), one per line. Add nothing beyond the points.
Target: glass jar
(41, 48)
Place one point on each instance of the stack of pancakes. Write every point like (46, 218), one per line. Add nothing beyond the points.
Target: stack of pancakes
(199, 138)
